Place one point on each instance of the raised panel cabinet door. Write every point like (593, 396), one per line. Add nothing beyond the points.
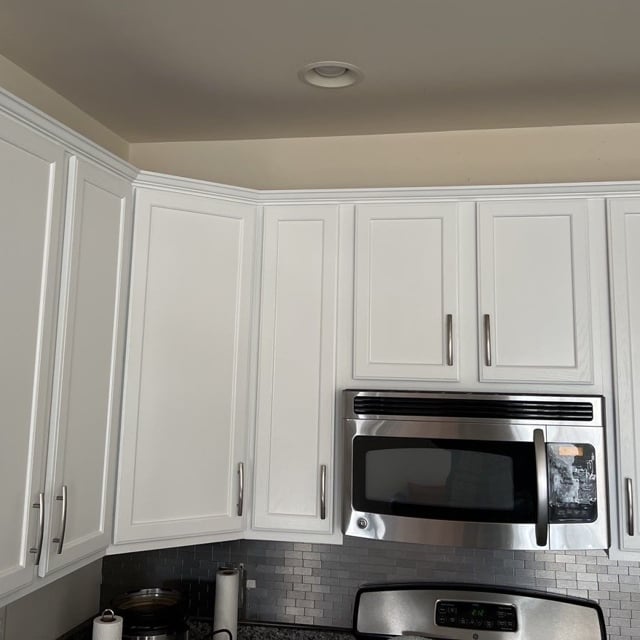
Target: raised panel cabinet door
(406, 291)
(624, 255)
(187, 368)
(88, 380)
(534, 320)
(296, 380)
(31, 171)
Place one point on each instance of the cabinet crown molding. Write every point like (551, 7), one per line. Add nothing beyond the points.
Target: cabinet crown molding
(192, 186)
(74, 142)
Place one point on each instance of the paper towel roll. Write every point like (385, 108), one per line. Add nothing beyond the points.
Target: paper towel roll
(225, 611)
(107, 626)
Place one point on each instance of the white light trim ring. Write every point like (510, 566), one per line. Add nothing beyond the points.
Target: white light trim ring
(330, 74)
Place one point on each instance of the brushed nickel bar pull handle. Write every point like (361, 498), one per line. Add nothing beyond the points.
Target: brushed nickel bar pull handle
(240, 487)
(449, 340)
(63, 519)
(631, 526)
(487, 339)
(542, 509)
(37, 550)
(323, 492)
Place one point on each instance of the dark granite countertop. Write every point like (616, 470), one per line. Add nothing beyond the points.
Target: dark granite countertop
(201, 629)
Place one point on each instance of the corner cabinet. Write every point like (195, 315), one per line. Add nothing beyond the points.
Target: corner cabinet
(294, 473)
(534, 309)
(186, 402)
(624, 256)
(406, 291)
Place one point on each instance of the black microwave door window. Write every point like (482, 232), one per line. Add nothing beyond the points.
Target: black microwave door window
(464, 480)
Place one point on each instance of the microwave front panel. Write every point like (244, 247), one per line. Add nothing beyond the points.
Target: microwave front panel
(474, 484)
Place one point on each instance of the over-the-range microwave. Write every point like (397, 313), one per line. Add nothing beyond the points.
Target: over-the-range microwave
(476, 470)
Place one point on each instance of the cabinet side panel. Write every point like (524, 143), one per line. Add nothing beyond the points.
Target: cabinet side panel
(187, 392)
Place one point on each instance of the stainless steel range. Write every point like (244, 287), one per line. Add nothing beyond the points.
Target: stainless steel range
(472, 612)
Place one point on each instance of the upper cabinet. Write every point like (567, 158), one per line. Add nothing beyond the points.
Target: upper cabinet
(31, 184)
(186, 405)
(624, 239)
(521, 268)
(294, 468)
(88, 380)
(406, 291)
(534, 311)
(64, 285)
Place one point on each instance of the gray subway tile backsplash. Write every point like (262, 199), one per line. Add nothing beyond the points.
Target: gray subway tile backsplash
(315, 584)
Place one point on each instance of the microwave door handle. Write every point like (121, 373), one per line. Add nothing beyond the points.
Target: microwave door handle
(542, 508)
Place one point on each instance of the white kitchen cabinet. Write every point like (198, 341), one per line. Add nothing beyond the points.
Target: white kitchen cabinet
(406, 291)
(534, 315)
(61, 352)
(624, 256)
(31, 180)
(90, 352)
(293, 477)
(186, 399)
(534, 310)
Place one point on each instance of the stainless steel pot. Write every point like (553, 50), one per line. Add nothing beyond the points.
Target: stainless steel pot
(152, 614)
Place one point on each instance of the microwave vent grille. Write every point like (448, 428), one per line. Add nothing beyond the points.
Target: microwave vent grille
(543, 410)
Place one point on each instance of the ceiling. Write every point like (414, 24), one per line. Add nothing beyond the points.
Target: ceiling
(155, 70)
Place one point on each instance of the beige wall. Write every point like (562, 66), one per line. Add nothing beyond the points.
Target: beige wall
(499, 156)
(55, 609)
(31, 90)
(494, 156)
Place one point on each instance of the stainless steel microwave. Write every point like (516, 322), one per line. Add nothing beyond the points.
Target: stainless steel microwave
(475, 470)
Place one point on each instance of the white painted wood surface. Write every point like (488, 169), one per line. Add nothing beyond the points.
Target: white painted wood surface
(186, 389)
(296, 376)
(624, 255)
(533, 279)
(406, 284)
(31, 175)
(90, 352)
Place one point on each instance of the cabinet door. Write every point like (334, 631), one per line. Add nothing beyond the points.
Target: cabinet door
(534, 303)
(31, 170)
(624, 238)
(186, 397)
(406, 291)
(86, 408)
(295, 422)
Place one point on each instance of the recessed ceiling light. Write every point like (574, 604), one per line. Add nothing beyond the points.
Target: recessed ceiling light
(330, 74)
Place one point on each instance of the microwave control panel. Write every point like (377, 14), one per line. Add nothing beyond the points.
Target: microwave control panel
(572, 482)
(476, 615)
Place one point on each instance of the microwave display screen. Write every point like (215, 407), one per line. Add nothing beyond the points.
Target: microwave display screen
(445, 479)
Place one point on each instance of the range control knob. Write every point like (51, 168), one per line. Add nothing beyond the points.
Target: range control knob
(362, 523)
